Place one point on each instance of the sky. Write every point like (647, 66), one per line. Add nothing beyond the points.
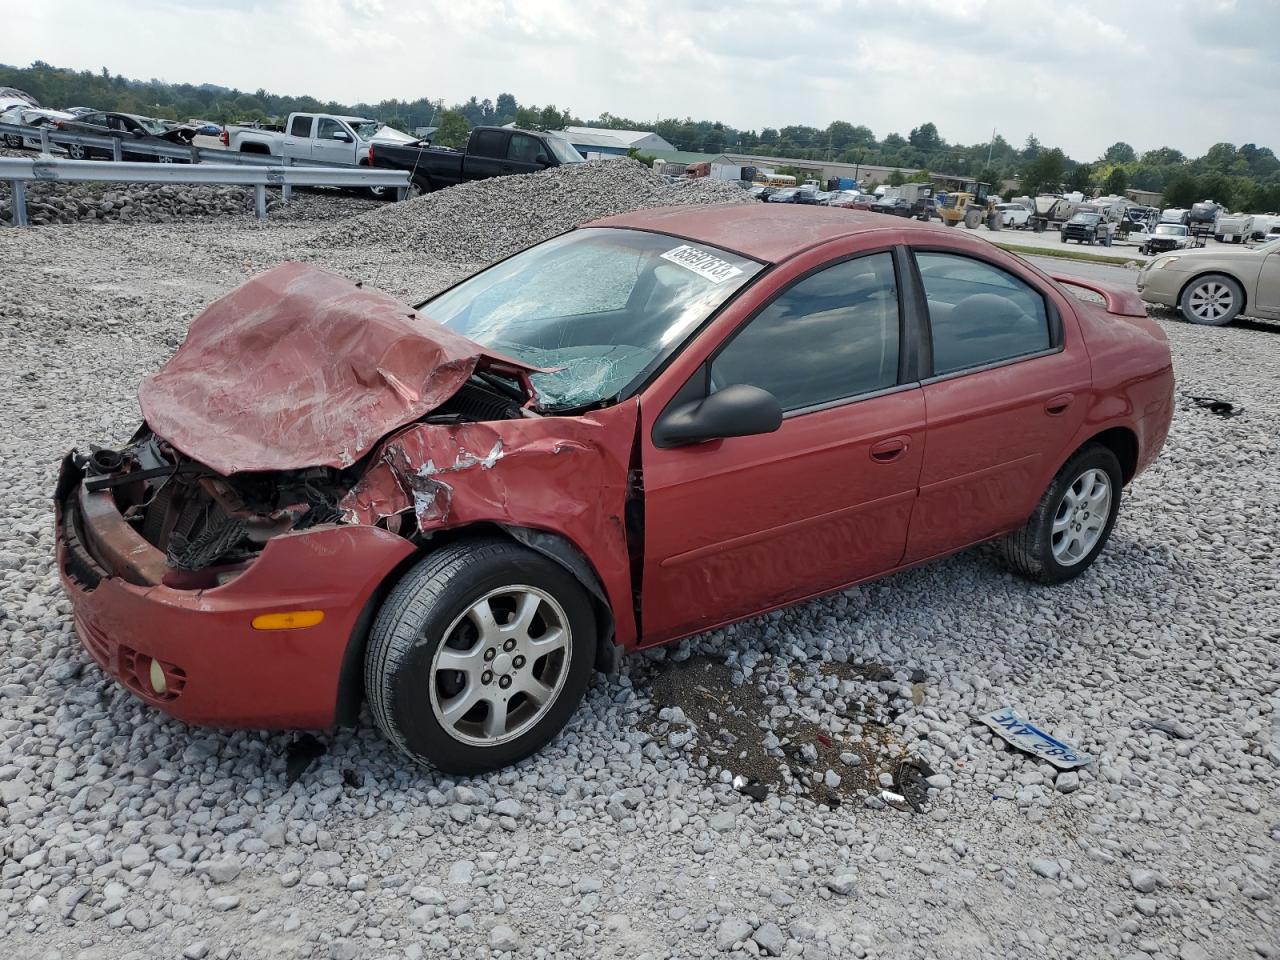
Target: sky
(1079, 74)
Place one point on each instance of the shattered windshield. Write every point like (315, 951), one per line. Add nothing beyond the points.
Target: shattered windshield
(597, 308)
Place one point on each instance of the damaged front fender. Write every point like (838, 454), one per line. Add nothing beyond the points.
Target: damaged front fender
(565, 475)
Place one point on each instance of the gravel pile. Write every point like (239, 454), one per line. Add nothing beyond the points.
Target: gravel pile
(157, 203)
(127, 836)
(49, 203)
(487, 220)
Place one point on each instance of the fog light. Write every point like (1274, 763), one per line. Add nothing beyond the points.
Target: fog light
(158, 682)
(292, 620)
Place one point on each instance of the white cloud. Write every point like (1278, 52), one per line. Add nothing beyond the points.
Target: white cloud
(1080, 74)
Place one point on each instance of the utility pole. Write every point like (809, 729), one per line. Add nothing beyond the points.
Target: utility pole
(990, 144)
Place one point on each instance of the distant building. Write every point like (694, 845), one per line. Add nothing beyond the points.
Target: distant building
(643, 140)
(594, 145)
(1147, 198)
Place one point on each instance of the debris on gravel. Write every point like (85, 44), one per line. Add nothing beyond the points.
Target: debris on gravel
(125, 835)
(486, 220)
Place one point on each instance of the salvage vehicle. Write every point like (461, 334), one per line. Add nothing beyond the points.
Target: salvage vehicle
(318, 138)
(490, 152)
(129, 128)
(1215, 286)
(894, 206)
(1166, 237)
(643, 429)
(1013, 215)
(1084, 227)
(33, 117)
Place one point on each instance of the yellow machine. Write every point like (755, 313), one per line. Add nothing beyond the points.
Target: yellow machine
(972, 206)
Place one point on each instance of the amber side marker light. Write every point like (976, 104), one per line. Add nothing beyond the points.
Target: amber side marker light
(293, 620)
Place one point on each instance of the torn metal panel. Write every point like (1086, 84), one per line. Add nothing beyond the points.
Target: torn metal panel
(301, 368)
(567, 475)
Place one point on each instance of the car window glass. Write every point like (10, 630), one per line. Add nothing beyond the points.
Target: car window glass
(978, 313)
(300, 127)
(523, 149)
(830, 336)
(116, 123)
(487, 143)
(327, 127)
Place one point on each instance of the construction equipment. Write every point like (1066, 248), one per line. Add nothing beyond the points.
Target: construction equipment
(972, 206)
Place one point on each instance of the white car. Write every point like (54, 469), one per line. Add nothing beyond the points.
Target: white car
(34, 117)
(1013, 215)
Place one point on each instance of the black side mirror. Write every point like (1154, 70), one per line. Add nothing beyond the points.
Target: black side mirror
(139, 133)
(740, 410)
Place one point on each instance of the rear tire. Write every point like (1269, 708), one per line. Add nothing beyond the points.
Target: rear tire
(1213, 300)
(1072, 522)
(449, 642)
(12, 140)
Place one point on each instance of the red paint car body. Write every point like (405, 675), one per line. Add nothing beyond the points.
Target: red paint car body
(670, 541)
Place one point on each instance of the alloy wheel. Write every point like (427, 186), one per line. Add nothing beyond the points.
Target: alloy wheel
(1081, 517)
(1211, 301)
(501, 665)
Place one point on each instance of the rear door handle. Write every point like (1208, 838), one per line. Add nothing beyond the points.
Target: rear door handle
(1058, 405)
(888, 450)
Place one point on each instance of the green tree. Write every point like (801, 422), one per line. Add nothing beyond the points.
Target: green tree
(1045, 172)
(925, 138)
(1079, 177)
(1120, 152)
(1163, 156)
(453, 129)
(1116, 182)
(896, 179)
(1181, 191)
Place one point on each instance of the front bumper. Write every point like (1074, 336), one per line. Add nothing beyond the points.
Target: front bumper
(1159, 286)
(219, 670)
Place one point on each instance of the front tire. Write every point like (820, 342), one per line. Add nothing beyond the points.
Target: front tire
(1072, 522)
(1213, 300)
(479, 656)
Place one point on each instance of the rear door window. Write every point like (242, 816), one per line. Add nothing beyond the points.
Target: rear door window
(488, 143)
(979, 314)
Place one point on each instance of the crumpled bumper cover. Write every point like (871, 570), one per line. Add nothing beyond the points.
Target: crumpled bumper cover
(219, 670)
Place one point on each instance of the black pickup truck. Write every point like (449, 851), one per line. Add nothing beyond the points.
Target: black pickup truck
(491, 152)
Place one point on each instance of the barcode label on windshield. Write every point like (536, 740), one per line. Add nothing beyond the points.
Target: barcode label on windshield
(702, 263)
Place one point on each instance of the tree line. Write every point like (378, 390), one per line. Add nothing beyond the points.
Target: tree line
(1243, 178)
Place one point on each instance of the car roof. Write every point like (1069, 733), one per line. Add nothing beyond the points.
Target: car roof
(770, 233)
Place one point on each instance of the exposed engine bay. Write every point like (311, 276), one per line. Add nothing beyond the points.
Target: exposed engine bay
(202, 519)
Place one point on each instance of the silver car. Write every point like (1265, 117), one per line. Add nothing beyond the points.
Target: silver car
(1214, 286)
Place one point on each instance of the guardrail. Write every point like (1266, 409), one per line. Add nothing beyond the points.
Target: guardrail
(21, 171)
(119, 144)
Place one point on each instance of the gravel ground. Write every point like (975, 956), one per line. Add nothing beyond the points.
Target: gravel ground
(127, 835)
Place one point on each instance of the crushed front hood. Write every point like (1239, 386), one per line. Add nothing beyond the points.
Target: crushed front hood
(301, 368)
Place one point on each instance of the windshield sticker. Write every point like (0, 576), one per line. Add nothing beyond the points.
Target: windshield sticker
(702, 263)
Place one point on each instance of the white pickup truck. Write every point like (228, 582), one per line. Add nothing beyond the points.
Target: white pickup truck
(319, 137)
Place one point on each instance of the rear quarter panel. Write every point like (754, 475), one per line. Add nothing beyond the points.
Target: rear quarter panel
(1132, 378)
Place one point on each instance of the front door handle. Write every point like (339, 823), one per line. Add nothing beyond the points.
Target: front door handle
(1057, 406)
(886, 451)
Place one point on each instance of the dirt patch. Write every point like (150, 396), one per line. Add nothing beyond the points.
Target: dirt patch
(771, 743)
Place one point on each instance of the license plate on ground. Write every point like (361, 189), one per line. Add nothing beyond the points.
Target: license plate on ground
(1026, 736)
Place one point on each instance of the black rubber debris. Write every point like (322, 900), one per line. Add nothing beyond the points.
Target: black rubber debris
(300, 755)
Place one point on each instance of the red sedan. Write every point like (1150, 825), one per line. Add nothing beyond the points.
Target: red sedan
(640, 430)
